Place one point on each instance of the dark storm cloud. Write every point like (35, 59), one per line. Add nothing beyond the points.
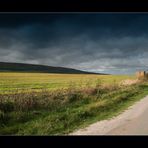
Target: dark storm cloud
(109, 42)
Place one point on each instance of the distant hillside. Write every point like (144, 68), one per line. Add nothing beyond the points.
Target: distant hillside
(21, 67)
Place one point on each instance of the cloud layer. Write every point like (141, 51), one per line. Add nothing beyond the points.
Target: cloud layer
(99, 42)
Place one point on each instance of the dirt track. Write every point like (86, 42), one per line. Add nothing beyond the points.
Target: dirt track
(133, 121)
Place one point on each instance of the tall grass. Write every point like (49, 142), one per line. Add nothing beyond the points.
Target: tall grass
(63, 110)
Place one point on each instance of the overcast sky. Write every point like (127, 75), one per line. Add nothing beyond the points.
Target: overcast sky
(113, 43)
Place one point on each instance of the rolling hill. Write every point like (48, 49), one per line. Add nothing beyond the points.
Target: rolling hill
(22, 67)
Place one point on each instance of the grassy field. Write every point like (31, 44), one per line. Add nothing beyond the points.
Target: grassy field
(62, 107)
(35, 81)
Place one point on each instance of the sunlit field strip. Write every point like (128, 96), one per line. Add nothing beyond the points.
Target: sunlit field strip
(10, 81)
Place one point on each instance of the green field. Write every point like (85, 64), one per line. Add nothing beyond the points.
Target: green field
(10, 81)
(37, 104)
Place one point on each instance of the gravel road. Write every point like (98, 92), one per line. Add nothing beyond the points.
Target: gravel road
(133, 121)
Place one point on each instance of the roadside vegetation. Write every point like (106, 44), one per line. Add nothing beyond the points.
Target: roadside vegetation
(61, 111)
